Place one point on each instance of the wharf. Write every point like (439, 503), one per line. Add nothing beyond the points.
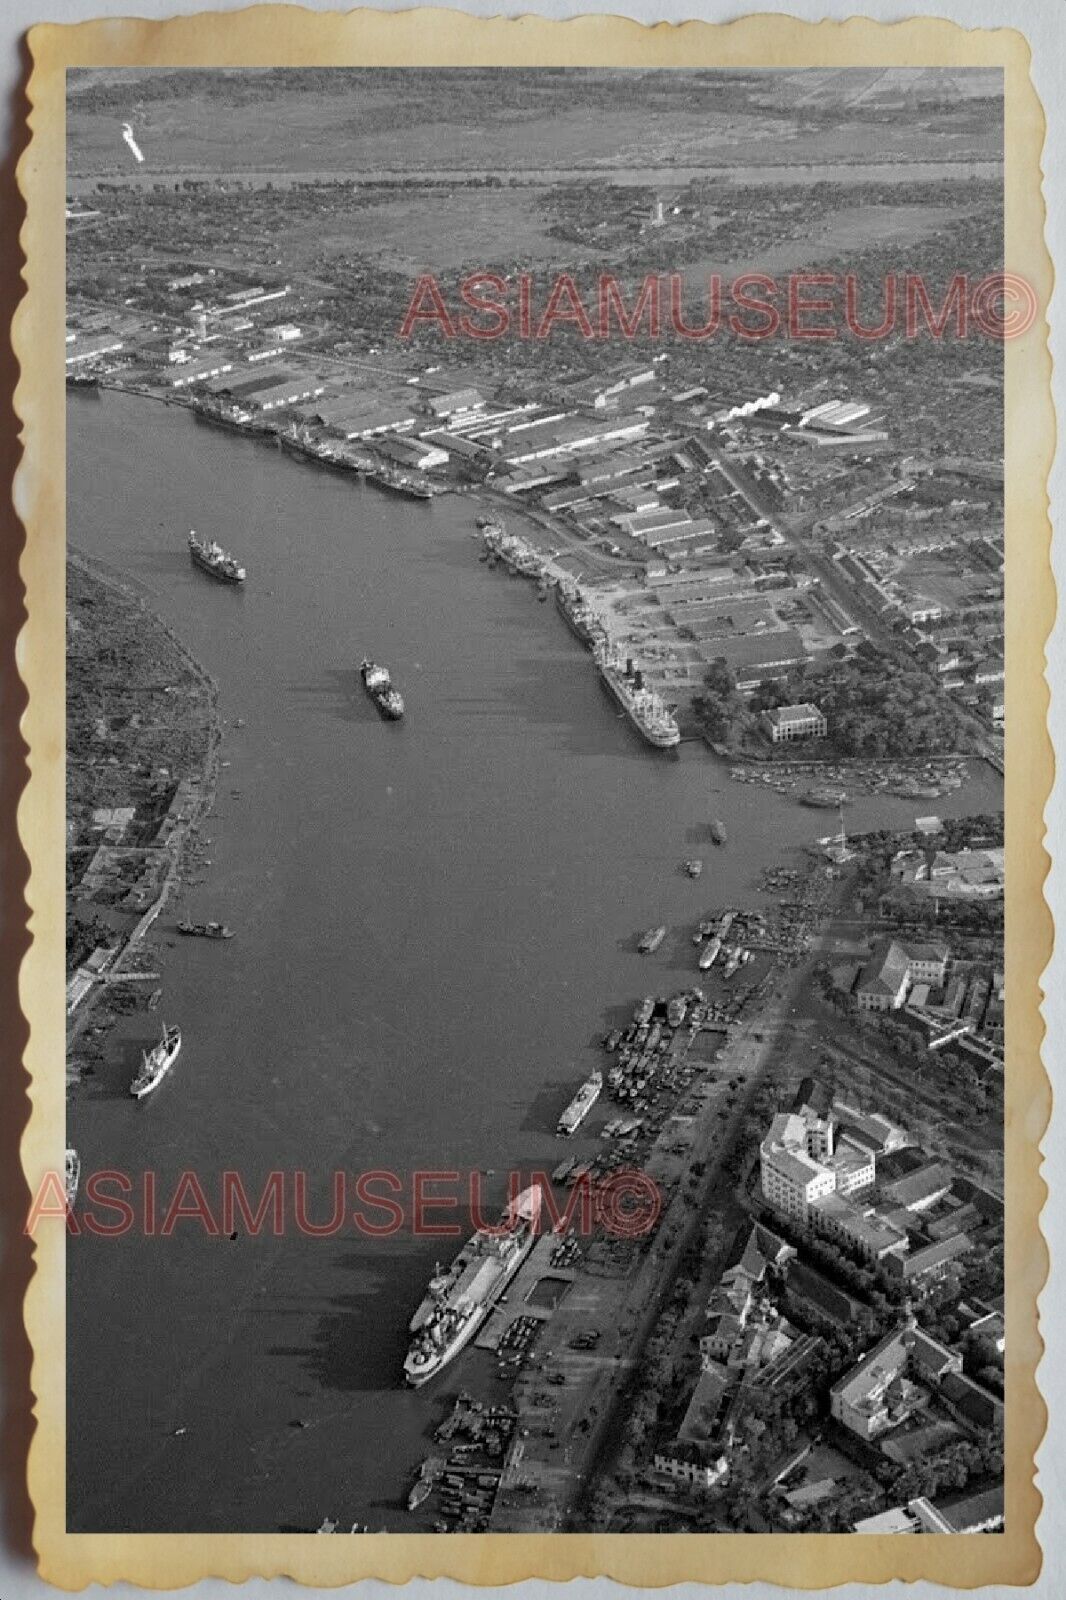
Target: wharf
(537, 1269)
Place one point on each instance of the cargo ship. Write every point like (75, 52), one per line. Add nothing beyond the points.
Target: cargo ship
(578, 615)
(645, 710)
(71, 1176)
(380, 688)
(205, 930)
(459, 1300)
(400, 483)
(156, 1063)
(581, 1104)
(825, 798)
(211, 558)
(233, 418)
(651, 940)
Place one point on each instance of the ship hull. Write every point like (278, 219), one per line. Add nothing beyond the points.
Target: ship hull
(659, 738)
(579, 1107)
(386, 697)
(416, 1376)
(72, 1177)
(214, 419)
(218, 573)
(412, 491)
(141, 1086)
(390, 711)
(578, 629)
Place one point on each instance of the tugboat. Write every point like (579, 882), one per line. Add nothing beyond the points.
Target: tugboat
(212, 559)
(156, 1063)
(379, 687)
(205, 930)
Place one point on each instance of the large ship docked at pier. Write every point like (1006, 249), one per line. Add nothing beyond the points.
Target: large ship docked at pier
(578, 615)
(644, 708)
(156, 1063)
(211, 558)
(416, 488)
(581, 1104)
(459, 1300)
(380, 688)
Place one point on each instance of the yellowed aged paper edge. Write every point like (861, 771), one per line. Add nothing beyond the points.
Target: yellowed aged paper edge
(280, 36)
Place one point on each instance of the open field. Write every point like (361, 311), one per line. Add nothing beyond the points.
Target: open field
(351, 121)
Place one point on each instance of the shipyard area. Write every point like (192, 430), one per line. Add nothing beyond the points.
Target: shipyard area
(573, 765)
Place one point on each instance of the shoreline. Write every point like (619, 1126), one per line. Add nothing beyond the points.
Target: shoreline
(182, 841)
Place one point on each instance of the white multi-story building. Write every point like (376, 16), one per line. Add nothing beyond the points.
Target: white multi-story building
(785, 723)
(802, 1160)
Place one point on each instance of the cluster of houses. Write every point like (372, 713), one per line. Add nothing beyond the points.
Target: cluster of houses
(748, 1344)
(832, 1171)
(856, 1180)
(948, 1003)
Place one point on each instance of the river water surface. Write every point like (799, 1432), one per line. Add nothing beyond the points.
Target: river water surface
(435, 920)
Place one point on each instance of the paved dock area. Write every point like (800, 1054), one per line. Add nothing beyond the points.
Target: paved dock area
(522, 1298)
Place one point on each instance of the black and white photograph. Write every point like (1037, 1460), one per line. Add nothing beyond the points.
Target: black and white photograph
(535, 725)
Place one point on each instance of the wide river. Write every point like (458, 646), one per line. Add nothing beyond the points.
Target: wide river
(435, 920)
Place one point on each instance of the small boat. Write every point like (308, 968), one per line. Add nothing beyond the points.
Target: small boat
(379, 686)
(205, 930)
(428, 1474)
(71, 1176)
(676, 1010)
(694, 868)
(825, 798)
(718, 833)
(651, 940)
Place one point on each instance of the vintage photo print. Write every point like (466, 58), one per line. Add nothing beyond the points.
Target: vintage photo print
(537, 572)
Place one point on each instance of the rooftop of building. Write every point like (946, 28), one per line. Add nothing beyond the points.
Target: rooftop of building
(801, 712)
(972, 1510)
(886, 971)
(904, 1346)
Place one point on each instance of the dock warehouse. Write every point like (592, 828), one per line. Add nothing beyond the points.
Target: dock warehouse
(92, 349)
(275, 389)
(200, 374)
(575, 435)
(752, 658)
(412, 452)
